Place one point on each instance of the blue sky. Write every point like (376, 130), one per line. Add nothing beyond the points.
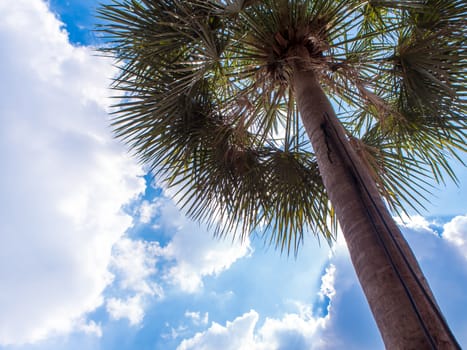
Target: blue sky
(95, 256)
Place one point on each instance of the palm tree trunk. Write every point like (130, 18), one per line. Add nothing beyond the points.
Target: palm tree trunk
(399, 297)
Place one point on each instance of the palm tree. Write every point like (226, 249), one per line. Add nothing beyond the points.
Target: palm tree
(285, 117)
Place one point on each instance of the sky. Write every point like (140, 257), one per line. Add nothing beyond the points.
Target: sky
(94, 255)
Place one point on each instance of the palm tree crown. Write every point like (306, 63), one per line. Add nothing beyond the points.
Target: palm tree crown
(209, 104)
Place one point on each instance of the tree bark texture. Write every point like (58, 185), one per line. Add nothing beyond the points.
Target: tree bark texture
(405, 310)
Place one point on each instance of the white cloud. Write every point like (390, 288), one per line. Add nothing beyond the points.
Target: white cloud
(131, 308)
(291, 332)
(327, 283)
(174, 332)
(236, 335)
(455, 232)
(301, 330)
(195, 253)
(414, 222)
(196, 317)
(63, 178)
(90, 327)
(147, 211)
(134, 262)
(297, 331)
(134, 265)
(192, 254)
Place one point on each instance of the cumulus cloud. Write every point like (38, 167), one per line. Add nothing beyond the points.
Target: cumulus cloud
(193, 251)
(63, 180)
(298, 331)
(455, 232)
(236, 335)
(327, 289)
(131, 308)
(293, 331)
(90, 327)
(196, 317)
(134, 262)
(415, 222)
(189, 255)
(134, 265)
(147, 211)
